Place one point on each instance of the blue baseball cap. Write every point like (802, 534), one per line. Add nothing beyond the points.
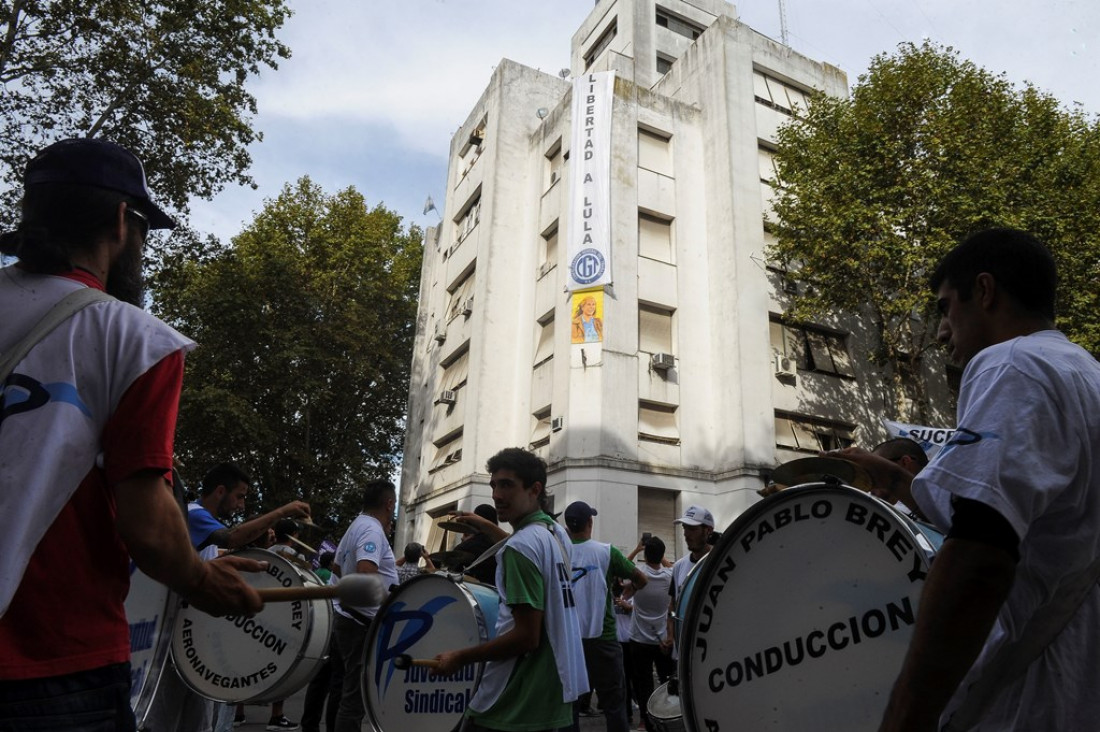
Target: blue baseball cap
(100, 164)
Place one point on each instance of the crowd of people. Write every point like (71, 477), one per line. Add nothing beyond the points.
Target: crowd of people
(1007, 635)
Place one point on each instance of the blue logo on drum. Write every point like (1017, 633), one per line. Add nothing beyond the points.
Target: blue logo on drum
(416, 622)
(588, 266)
(369, 547)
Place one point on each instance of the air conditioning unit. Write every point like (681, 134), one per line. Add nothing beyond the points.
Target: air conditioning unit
(556, 424)
(453, 457)
(440, 333)
(790, 286)
(477, 136)
(447, 396)
(468, 305)
(785, 366)
(663, 361)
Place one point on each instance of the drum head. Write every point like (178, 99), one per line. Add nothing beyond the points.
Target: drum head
(425, 616)
(802, 614)
(240, 658)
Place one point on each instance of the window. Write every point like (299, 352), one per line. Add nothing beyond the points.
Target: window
(462, 297)
(549, 254)
(679, 25)
(456, 370)
(602, 43)
(654, 237)
(471, 151)
(654, 152)
(448, 450)
(554, 163)
(467, 220)
(657, 423)
(812, 348)
(540, 428)
(811, 434)
(768, 172)
(544, 349)
(654, 329)
(773, 93)
(664, 64)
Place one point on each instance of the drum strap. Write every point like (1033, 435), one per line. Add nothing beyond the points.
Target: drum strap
(1012, 660)
(492, 551)
(64, 309)
(487, 554)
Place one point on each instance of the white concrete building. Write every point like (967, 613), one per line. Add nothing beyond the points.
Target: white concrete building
(697, 391)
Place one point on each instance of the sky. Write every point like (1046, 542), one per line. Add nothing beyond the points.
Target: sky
(375, 88)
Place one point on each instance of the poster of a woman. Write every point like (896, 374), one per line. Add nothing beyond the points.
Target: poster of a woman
(587, 320)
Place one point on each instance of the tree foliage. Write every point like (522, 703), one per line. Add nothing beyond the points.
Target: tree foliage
(305, 328)
(877, 187)
(165, 78)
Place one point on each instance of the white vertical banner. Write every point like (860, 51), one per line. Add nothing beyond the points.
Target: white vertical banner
(931, 439)
(589, 247)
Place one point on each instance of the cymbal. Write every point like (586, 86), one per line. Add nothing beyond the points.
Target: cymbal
(452, 558)
(459, 526)
(819, 469)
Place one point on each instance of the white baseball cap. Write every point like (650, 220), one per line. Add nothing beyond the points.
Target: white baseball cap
(696, 516)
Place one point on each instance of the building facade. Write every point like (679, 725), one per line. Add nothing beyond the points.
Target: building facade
(693, 388)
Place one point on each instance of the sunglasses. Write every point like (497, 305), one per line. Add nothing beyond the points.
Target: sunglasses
(142, 221)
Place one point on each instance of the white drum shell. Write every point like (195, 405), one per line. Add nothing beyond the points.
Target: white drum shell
(150, 610)
(803, 613)
(260, 659)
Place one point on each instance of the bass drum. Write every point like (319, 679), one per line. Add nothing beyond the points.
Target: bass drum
(263, 658)
(802, 615)
(425, 616)
(150, 610)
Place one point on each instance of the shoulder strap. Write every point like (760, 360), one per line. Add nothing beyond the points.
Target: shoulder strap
(65, 308)
(1012, 660)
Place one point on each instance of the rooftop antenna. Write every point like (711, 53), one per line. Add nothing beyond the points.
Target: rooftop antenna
(784, 37)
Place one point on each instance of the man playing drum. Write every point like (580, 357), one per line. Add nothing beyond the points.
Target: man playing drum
(595, 567)
(87, 419)
(534, 667)
(697, 523)
(1008, 630)
(364, 548)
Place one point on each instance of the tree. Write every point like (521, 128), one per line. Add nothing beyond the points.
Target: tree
(165, 78)
(305, 326)
(877, 187)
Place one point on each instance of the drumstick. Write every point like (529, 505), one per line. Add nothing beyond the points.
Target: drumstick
(404, 661)
(302, 544)
(363, 590)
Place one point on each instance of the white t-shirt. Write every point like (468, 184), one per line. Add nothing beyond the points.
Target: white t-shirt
(365, 539)
(1027, 445)
(651, 606)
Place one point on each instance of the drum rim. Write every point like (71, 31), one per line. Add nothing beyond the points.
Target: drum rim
(750, 515)
(143, 702)
(277, 690)
(484, 631)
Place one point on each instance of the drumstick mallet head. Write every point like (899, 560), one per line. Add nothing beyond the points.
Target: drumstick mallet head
(362, 590)
(404, 661)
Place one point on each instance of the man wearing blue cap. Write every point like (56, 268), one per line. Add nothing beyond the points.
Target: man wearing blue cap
(87, 418)
(595, 565)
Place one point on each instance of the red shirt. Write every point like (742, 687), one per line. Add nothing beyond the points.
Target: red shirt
(68, 614)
